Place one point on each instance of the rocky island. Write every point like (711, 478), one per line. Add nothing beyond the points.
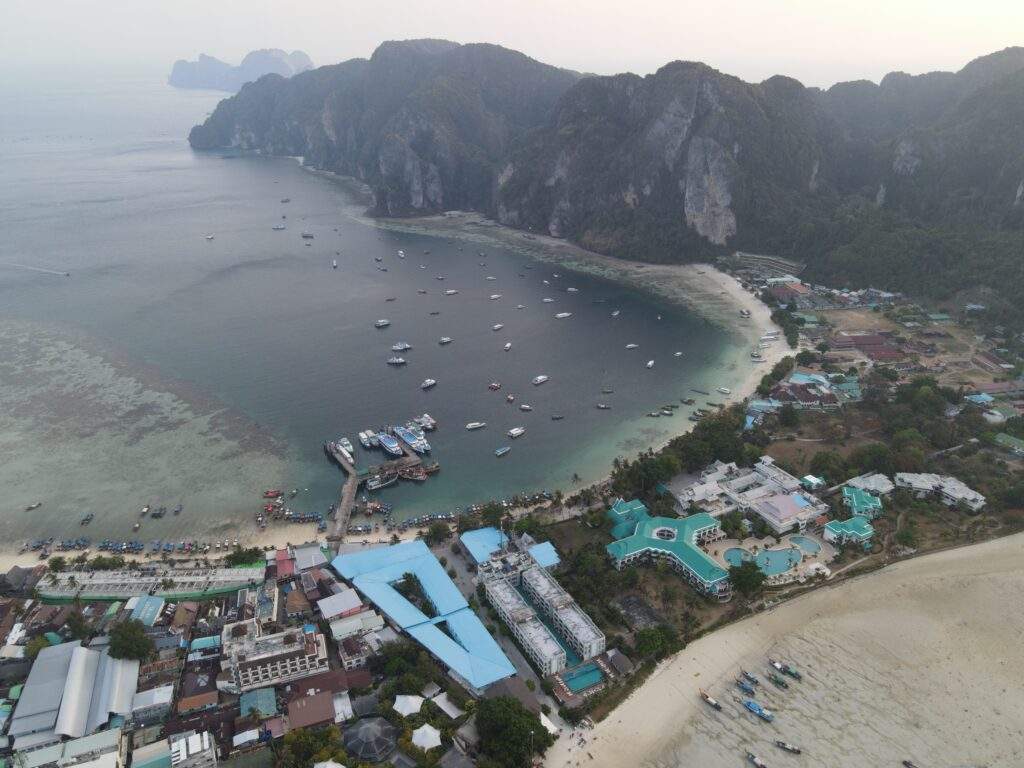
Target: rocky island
(214, 74)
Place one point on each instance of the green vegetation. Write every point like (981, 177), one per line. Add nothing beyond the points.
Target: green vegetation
(128, 640)
(239, 556)
(509, 733)
(35, 645)
(437, 533)
(746, 578)
(302, 747)
(57, 563)
(77, 626)
(656, 642)
(107, 563)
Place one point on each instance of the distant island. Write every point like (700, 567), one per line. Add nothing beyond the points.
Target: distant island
(212, 73)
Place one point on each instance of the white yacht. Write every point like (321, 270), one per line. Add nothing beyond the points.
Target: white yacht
(476, 425)
(538, 380)
(516, 432)
(572, 290)
(650, 363)
(724, 390)
(497, 327)
(525, 407)
(548, 301)
(428, 383)
(450, 292)
(382, 323)
(632, 346)
(495, 296)
(563, 315)
(445, 340)
(677, 354)
(508, 346)
(615, 313)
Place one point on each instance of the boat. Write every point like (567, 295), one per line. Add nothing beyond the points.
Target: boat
(785, 669)
(273, 493)
(908, 764)
(307, 235)
(382, 323)
(632, 346)
(538, 380)
(209, 237)
(401, 346)
(497, 327)
(749, 677)
(508, 346)
(516, 432)
(724, 390)
(711, 702)
(744, 686)
(489, 277)
(563, 315)
(439, 277)
(445, 340)
(428, 383)
(677, 354)
(286, 199)
(756, 761)
(777, 680)
(603, 407)
(377, 482)
(495, 296)
(607, 391)
(414, 441)
(653, 414)
(37, 505)
(744, 313)
(510, 398)
(757, 709)
(650, 363)
(345, 444)
(494, 386)
(520, 306)
(548, 301)
(390, 444)
(364, 440)
(572, 290)
(615, 313)
(401, 253)
(476, 425)
(278, 227)
(177, 509)
(396, 361)
(334, 263)
(373, 438)
(427, 421)
(502, 451)
(792, 748)
(134, 527)
(450, 292)
(557, 417)
(525, 407)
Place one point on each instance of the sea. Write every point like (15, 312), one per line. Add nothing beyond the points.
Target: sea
(162, 344)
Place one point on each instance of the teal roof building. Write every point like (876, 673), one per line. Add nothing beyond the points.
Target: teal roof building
(856, 530)
(861, 503)
(676, 540)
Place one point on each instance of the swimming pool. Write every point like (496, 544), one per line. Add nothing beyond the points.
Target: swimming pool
(810, 546)
(771, 561)
(583, 677)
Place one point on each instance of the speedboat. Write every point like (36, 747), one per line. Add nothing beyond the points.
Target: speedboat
(711, 702)
(792, 748)
(516, 432)
(563, 315)
(777, 680)
(520, 306)
(724, 390)
(334, 263)
(345, 443)
(450, 292)
(525, 407)
(278, 227)
(286, 199)
(548, 301)
(490, 277)
(615, 313)
(572, 290)
(677, 354)
(508, 346)
(401, 346)
(428, 383)
(382, 323)
(497, 327)
(364, 440)
(476, 425)
(650, 363)
(396, 361)
(495, 296)
(510, 398)
(38, 504)
(502, 451)
(538, 380)
(445, 340)
(632, 346)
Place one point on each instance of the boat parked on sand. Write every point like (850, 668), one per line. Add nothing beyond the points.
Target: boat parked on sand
(744, 686)
(791, 748)
(711, 702)
(757, 709)
(756, 761)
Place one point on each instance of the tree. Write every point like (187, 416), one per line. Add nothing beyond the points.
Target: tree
(510, 734)
(437, 532)
(128, 640)
(35, 645)
(805, 357)
(492, 513)
(302, 747)
(241, 556)
(655, 642)
(747, 578)
(77, 626)
(57, 563)
(788, 416)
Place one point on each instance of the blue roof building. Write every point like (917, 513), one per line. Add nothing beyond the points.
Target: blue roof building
(545, 554)
(205, 643)
(483, 542)
(261, 701)
(455, 635)
(147, 609)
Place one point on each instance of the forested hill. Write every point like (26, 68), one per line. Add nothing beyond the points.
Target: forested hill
(915, 184)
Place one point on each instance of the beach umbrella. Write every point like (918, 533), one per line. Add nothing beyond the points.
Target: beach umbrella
(426, 737)
(408, 705)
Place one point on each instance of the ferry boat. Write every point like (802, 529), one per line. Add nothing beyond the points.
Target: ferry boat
(538, 380)
(615, 313)
(791, 748)
(396, 361)
(502, 451)
(428, 383)
(445, 340)
(382, 323)
(516, 432)
(632, 346)
(476, 425)
(389, 444)
(508, 346)
(497, 327)
(711, 702)
(416, 442)
(756, 761)
(377, 482)
(401, 346)
(450, 292)
(278, 227)
(724, 390)
(650, 363)
(548, 301)
(495, 296)
(307, 235)
(563, 315)
(525, 407)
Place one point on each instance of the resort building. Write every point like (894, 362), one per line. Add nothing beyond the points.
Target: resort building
(947, 489)
(856, 530)
(461, 643)
(256, 660)
(169, 583)
(765, 490)
(861, 503)
(676, 540)
(535, 638)
(875, 482)
(572, 622)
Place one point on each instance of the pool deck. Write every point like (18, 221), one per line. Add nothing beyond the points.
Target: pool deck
(808, 565)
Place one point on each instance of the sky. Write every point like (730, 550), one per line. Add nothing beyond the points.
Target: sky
(819, 42)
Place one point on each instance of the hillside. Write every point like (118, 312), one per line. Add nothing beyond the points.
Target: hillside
(214, 74)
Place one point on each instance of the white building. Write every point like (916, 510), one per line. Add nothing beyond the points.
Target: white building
(257, 660)
(193, 750)
(875, 483)
(576, 627)
(154, 703)
(535, 638)
(948, 489)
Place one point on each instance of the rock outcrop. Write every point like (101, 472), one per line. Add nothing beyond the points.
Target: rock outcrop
(214, 74)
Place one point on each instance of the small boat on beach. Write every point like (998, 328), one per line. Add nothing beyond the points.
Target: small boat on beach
(757, 709)
(749, 677)
(756, 761)
(711, 702)
(777, 680)
(791, 748)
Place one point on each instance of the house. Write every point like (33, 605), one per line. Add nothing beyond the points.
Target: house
(254, 659)
(153, 704)
(309, 711)
(308, 556)
(949, 490)
(861, 503)
(296, 605)
(354, 653)
(198, 692)
(856, 530)
(343, 604)
(874, 482)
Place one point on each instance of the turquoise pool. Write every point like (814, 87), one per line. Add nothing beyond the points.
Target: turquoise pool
(583, 677)
(810, 546)
(771, 561)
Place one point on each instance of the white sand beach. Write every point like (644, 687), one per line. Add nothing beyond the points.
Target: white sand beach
(919, 661)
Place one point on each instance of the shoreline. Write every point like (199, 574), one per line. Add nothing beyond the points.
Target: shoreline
(922, 614)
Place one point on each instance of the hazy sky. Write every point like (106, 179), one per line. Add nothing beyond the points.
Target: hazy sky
(817, 41)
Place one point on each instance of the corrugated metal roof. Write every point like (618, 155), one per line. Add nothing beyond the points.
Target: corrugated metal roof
(335, 605)
(147, 609)
(545, 554)
(40, 698)
(483, 542)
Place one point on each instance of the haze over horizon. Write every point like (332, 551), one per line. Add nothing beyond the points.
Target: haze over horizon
(799, 38)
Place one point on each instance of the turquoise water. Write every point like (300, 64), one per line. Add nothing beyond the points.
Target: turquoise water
(810, 546)
(583, 677)
(771, 561)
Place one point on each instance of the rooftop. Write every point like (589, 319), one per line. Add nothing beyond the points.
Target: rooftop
(580, 625)
(856, 527)
(344, 602)
(861, 502)
(545, 554)
(483, 542)
(538, 635)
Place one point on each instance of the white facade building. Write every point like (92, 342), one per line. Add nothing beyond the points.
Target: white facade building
(947, 489)
(257, 660)
(535, 638)
(576, 626)
(193, 750)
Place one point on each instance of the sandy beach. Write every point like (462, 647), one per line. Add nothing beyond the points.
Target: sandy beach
(920, 661)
